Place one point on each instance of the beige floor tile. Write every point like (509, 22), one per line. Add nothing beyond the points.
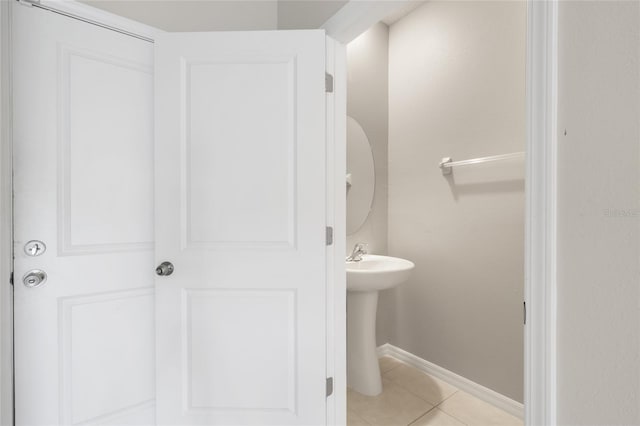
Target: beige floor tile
(475, 412)
(422, 385)
(388, 363)
(395, 406)
(437, 417)
(355, 420)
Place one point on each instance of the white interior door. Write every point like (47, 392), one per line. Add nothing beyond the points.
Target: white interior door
(240, 212)
(83, 136)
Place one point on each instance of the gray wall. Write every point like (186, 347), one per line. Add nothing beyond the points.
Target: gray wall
(598, 213)
(296, 14)
(196, 15)
(457, 88)
(224, 15)
(367, 103)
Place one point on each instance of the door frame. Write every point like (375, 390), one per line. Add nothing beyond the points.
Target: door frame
(540, 289)
(540, 309)
(344, 26)
(6, 221)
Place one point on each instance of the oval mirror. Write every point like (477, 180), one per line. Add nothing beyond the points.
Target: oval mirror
(360, 176)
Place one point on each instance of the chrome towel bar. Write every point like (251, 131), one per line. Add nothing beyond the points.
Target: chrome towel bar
(447, 164)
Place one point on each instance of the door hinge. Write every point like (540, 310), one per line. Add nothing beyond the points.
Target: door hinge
(329, 386)
(11, 279)
(329, 235)
(328, 82)
(524, 308)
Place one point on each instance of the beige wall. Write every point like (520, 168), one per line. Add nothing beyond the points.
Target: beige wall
(598, 213)
(457, 88)
(196, 15)
(367, 103)
(224, 15)
(296, 14)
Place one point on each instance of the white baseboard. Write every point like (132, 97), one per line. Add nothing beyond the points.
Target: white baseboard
(492, 397)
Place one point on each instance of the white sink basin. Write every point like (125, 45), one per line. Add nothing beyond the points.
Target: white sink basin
(364, 279)
(376, 272)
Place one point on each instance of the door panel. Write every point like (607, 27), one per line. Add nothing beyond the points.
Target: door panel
(223, 208)
(104, 107)
(83, 185)
(240, 211)
(226, 328)
(92, 383)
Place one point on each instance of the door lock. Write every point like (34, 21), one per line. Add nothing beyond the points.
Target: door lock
(34, 248)
(34, 278)
(164, 269)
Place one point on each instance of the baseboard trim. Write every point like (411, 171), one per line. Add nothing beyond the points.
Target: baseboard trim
(492, 397)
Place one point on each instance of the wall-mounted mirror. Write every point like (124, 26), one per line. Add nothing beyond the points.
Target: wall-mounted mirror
(360, 176)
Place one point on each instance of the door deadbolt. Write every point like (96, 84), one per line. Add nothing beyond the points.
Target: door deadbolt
(34, 278)
(34, 248)
(164, 269)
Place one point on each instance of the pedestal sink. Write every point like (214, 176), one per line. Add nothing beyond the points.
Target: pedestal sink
(364, 279)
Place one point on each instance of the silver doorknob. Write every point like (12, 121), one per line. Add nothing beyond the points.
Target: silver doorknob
(164, 269)
(34, 278)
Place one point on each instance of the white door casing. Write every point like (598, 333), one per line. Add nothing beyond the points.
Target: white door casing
(83, 161)
(240, 211)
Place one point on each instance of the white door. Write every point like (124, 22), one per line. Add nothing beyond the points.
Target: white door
(240, 212)
(83, 136)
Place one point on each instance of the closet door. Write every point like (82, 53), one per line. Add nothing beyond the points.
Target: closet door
(240, 208)
(83, 191)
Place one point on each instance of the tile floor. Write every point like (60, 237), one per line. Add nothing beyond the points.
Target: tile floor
(411, 397)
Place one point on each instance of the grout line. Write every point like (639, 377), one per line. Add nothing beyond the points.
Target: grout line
(418, 396)
(454, 417)
(444, 412)
(449, 397)
(433, 406)
(421, 415)
(436, 406)
(449, 414)
(491, 397)
(360, 418)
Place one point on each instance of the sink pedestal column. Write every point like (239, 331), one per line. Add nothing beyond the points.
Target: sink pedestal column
(363, 370)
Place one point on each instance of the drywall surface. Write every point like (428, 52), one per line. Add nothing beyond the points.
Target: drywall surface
(367, 103)
(298, 15)
(367, 100)
(457, 89)
(599, 213)
(224, 15)
(196, 15)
